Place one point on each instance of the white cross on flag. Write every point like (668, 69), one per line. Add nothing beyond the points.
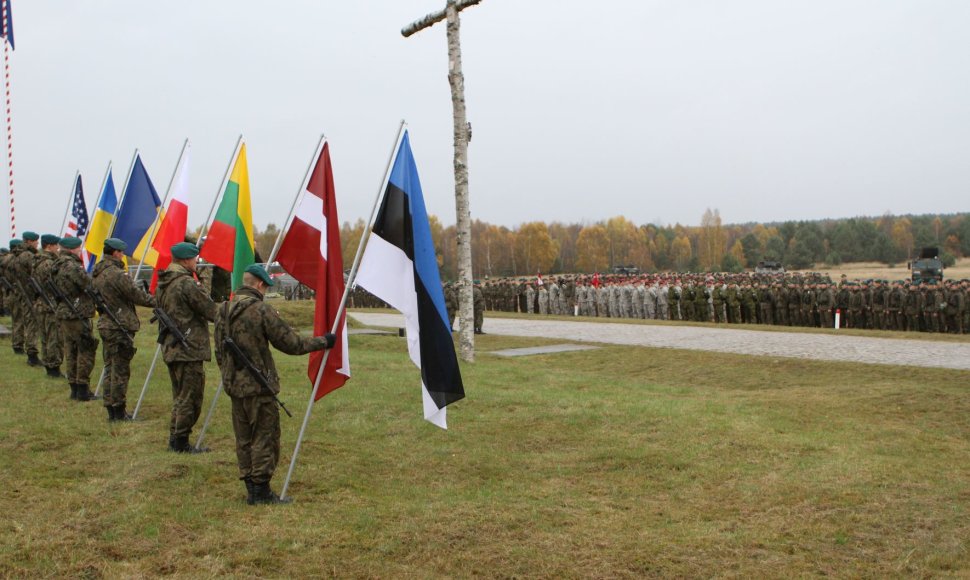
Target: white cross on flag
(316, 226)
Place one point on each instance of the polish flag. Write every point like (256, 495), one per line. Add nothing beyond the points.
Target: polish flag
(315, 226)
(175, 221)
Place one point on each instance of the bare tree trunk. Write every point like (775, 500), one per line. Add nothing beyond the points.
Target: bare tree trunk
(463, 227)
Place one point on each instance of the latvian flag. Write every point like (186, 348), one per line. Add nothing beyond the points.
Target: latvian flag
(311, 253)
(399, 267)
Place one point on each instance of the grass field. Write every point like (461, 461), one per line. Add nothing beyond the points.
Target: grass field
(617, 462)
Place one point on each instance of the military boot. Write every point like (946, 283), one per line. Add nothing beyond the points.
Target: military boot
(54, 373)
(111, 414)
(182, 446)
(83, 393)
(18, 350)
(121, 414)
(33, 361)
(263, 495)
(171, 443)
(73, 391)
(250, 491)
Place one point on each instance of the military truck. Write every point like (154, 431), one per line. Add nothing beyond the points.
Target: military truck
(769, 267)
(927, 266)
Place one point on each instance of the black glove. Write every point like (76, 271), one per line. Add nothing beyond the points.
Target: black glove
(331, 339)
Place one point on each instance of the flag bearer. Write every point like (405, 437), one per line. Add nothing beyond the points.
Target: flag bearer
(120, 295)
(253, 325)
(191, 309)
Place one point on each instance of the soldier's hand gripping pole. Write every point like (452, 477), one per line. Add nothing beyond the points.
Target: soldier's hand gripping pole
(244, 361)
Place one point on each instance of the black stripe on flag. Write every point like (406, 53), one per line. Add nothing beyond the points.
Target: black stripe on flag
(439, 364)
(393, 221)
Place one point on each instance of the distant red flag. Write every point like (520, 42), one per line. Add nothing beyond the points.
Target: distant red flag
(321, 270)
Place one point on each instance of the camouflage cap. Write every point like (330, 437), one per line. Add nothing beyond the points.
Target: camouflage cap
(116, 244)
(260, 272)
(31, 236)
(70, 243)
(49, 240)
(184, 251)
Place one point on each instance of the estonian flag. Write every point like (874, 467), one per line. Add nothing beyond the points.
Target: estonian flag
(399, 267)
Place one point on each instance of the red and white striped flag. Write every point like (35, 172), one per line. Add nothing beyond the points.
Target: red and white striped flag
(315, 225)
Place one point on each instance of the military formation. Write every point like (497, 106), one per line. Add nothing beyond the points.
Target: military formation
(53, 301)
(747, 298)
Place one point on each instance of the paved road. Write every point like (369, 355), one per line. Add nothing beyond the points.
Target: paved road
(753, 342)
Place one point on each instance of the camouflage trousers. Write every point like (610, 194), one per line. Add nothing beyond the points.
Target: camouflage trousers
(51, 346)
(23, 330)
(188, 384)
(117, 353)
(256, 423)
(80, 350)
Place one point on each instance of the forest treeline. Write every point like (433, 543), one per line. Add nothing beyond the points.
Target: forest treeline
(557, 247)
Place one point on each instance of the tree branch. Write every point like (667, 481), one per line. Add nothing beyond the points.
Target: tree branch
(434, 17)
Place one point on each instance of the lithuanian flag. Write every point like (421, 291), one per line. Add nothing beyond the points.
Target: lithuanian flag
(229, 243)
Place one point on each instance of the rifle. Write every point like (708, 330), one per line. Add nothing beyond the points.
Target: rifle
(6, 284)
(60, 296)
(102, 307)
(167, 326)
(240, 357)
(40, 292)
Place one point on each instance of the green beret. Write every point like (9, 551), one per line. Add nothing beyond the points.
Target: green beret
(49, 240)
(15, 242)
(184, 251)
(70, 243)
(116, 244)
(30, 236)
(260, 272)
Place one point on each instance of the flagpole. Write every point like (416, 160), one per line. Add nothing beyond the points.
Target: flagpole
(198, 243)
(124, 194)
(222, 189)
(299, 195)
(342, 307)
(158, 217)
(70, 201)
(272, 256)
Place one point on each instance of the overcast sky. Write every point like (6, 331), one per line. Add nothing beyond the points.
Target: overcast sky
(764, 109)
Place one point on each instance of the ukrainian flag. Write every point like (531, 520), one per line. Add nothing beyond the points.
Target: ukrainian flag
(101, 224)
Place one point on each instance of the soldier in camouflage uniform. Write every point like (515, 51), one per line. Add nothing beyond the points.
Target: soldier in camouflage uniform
(12, 295)
(48, 326)
(185, 300)
(955, 306)
(933, 307)
(825, 300)
(22, 268)
(732, 298)
(663, 310)
(912, 307)
(478, 307)
(253, 325)
(530, 299)
(451, 304)
(120, 295)
(673, 300)
(75, 313)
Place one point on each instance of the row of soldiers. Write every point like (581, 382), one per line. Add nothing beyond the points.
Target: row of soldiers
(52, 301)
(773, 299)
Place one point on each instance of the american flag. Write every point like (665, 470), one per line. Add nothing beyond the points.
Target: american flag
(77, 226)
